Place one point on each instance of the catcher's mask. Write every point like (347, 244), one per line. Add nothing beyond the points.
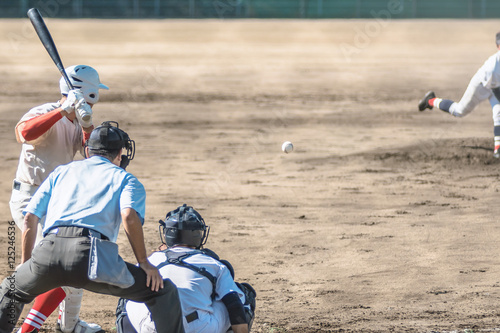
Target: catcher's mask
(184, 226)
(107, 138)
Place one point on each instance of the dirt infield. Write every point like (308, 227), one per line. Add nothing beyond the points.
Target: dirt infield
(383, 219)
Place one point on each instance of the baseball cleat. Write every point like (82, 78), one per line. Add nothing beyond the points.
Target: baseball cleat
(32, 331)
(424, 102)
(496, 152)
(82, 327)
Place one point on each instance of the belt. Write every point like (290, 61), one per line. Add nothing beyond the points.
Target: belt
(192, 316)
(78, 231)
(20, 186)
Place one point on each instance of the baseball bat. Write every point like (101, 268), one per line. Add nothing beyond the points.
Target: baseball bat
(47, 41)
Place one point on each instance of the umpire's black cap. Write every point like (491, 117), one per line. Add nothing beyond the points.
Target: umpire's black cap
(108, 136)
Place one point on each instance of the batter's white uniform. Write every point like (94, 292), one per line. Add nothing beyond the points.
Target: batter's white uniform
(195, 293)
(480, 89)
(40, 157)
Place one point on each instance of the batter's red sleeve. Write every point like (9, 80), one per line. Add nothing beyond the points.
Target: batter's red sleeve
(86, 136)
(35, 127)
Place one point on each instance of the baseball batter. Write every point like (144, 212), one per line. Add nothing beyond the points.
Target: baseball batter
(85, 203)
(211, 301)
(484, 85)
(51, 134)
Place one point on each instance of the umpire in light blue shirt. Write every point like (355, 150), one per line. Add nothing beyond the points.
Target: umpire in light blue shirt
(84, 203)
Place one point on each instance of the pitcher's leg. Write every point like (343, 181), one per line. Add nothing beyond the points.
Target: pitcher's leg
(474, 94)
(495, 107)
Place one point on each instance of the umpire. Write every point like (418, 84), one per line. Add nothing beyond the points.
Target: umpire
(84, 203)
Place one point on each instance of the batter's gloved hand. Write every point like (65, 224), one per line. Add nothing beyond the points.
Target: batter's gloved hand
(74, 97)
(84, 114)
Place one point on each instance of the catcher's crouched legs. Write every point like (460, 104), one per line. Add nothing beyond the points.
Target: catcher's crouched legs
(164, 304)
(69, 311)
(123, 324)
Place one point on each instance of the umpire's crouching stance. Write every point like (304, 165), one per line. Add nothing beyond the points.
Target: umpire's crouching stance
(84, 203)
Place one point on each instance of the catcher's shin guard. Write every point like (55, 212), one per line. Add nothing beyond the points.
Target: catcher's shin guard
(123, 324)
(250, 303)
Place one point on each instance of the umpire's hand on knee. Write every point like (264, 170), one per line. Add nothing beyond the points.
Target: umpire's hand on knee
(154, 279)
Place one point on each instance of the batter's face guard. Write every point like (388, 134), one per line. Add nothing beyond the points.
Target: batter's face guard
(84, 78)
(108, 137)
(184, 226)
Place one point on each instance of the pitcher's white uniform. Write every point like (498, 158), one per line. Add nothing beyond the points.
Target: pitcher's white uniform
(195, 293)
(480, 89)
(484, 85)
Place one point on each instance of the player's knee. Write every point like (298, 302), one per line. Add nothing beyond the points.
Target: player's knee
(250, 302)
(459, 111)
(462, 109)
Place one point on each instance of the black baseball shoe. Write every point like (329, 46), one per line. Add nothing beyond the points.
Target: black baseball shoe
(34, 330)
(424, 102)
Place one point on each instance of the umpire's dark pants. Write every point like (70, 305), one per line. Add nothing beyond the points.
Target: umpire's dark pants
(62, 259)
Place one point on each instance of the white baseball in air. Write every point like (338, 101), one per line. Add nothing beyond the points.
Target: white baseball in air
(287, 147)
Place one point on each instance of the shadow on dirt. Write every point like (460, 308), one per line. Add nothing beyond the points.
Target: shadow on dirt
(472, 153)
(448, 153)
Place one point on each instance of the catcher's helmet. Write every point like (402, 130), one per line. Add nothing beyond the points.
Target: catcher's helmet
(184, 226)
(84, 78)
(108, 137)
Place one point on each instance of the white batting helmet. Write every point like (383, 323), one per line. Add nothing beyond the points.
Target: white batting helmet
(84, 78)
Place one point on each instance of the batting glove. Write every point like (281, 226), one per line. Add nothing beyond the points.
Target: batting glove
(84, 114)
(74, 96)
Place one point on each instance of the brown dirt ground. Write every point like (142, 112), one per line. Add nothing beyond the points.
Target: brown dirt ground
(383, 219)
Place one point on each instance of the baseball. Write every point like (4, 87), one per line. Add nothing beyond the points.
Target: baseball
(287, 147)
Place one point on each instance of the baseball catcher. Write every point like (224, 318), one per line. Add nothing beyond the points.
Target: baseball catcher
(210, 299)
